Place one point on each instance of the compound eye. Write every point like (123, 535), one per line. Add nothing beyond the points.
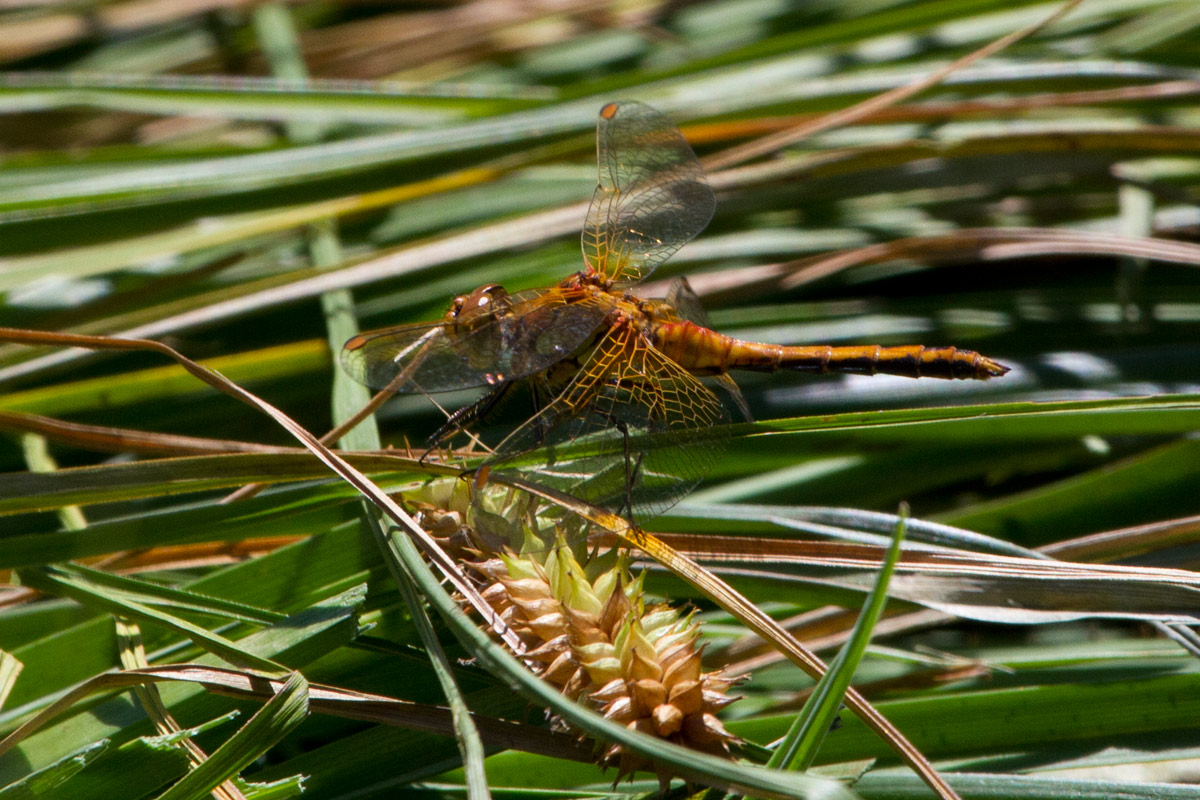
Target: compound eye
(485, 296)
(485, 303)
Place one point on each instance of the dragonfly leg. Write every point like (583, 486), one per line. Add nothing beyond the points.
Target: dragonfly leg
(465, 416)
(540, 396)
(632, 467)
(629, 473)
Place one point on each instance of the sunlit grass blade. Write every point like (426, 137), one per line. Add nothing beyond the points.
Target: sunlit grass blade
(53, 581)
(272, 722)
(10, 669)
(798, 749)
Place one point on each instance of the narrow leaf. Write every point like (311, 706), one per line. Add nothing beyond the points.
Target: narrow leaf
(279, 716)
(799, 748)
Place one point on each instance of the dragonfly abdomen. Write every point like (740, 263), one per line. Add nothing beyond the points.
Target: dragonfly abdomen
(910, 361)
(706, 352)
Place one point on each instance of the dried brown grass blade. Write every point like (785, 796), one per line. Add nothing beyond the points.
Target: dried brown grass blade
(966, 246)
(745, 612)
(438, 557)
(776, 141)
(104, 438)
(323, 699)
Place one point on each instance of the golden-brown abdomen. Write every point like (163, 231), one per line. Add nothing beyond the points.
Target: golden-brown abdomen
(910, 361)
(707, 352)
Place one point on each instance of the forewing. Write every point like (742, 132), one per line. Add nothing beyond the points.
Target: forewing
(651, 198)
(533, 332)
(633, 431)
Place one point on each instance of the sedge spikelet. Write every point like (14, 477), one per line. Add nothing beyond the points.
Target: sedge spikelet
(586, 624)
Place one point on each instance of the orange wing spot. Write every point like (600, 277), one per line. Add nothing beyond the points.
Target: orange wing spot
(609, 111)
(355, 343)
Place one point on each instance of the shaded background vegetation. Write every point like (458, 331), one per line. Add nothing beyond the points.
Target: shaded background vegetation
(222, 176)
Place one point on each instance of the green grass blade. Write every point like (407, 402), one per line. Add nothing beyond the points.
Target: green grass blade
(58, 582)
(798, 750)
(278, 716)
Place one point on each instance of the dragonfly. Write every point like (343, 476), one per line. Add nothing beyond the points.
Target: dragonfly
(621, 418)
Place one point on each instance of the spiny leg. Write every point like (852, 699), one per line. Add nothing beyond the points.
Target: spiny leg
(541, 396)
(467, 415)
(630, 471)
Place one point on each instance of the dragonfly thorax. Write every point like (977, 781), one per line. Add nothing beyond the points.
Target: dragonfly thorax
(588, 277)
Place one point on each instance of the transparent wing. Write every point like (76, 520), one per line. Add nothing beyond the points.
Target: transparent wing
(652, 196)
(529, 334)
(683, 298)
(632, 431)
(687, 305)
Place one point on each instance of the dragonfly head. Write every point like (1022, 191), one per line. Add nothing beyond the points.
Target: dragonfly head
(483, 303)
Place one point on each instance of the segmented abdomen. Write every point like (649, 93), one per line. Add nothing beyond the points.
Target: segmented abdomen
(706, 352)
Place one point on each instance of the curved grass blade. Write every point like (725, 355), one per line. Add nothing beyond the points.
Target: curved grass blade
(57, 582)
(709, 769)
(280, 715)
(335, 462)
(300, 639)
(10, 668)
(688, 763)
(798, 750)
(721, 593)
(21, 491)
